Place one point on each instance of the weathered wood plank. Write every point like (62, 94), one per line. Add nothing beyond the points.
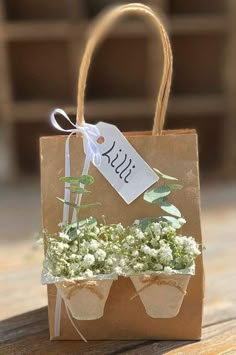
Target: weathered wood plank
(217, 339)
(219, 225)
(28, 334)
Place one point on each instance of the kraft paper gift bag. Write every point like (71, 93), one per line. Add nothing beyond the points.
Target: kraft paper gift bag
(127, 310)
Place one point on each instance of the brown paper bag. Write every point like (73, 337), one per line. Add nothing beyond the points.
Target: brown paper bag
(174, 152)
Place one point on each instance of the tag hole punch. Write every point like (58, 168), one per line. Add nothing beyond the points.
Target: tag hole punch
(100, 140)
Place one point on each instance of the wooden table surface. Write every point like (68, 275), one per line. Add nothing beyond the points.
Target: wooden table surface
(28, 333)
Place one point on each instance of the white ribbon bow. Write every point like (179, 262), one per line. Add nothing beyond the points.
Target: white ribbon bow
(89, 131)
(90, 135)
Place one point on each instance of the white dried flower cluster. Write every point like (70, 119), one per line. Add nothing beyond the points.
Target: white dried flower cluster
(89, 251)
(157, 248)
(105, 249)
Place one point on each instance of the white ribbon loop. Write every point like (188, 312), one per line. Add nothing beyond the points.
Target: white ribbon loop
(56, 124)
(90, 134)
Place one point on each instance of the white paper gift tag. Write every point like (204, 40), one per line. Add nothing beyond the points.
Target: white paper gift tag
(122, 166)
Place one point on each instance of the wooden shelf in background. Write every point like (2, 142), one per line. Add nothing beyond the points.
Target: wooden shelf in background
(38, 110)
(63, 30)
(32, 30)
(190, 24)
(26, 111)
(24, 30)
(197, 105)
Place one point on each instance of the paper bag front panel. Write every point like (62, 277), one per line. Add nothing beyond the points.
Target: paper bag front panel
(176, 155)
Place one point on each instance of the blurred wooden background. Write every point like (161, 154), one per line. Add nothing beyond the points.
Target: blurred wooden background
(40, 46)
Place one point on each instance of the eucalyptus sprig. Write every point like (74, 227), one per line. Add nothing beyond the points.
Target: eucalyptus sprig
(77, 186)
(159, 195)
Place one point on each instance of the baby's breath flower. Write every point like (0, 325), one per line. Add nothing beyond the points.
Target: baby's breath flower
(64, 236)
(118, 270)
(158, 267)
(73, 257)
(130, 239)
(190, 246)
(138, 267)
(165, 254)
(61, 246)
(179, 241)
(115, 248)
(126, 246)
(100, 255)
(146, 249)
(165, 230)
(120, 228)
(139, 234)
(94, 245)
(153, 253)
(89, 259)
(123, 262)
(80, 233)
(75, 266)
(109, 261)
(135, 253)
(156, 228)
(154, 241)
(88, 273)
(74, 248)
(181, 221)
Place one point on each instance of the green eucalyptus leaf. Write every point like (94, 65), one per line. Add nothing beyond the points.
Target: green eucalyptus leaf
(70, 179)
(175, 186)
(164, 176)
(67, 202)
(73, 234)
(86, 179)
(77, 189)
(144, 222)
(152, 195)
(88, 221)
(89, 205)
(169, 208)
(71, 230)
(70, 227)
(173, 221)
(76, 206)
(83, 179)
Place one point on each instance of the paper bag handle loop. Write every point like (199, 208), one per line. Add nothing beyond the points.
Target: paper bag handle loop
(103, 24)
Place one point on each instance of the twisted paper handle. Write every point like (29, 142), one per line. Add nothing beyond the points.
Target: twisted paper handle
(101, 27)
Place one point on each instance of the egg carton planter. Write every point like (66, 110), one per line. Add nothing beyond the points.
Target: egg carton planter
(85, 299)
(161, 294)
